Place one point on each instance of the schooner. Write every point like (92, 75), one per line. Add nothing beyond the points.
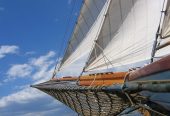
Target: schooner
(124, 49)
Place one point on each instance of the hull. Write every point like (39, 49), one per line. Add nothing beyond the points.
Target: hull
(86, 101)
(146, 89)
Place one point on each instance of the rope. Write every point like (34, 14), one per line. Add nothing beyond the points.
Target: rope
(137, 105)
(98, 31)
(93, 81)
(147, 108)
(89, 11)
(103, 52)
(55, 69)
(157, 34)
(127, 95)
(130, 48)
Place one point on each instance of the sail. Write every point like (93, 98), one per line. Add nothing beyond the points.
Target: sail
(127, 35)
(166, 23)
(163, 47)
(86, 30)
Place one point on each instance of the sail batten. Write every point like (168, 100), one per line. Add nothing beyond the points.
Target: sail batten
(127, 35)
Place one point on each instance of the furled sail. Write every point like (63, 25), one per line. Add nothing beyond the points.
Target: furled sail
(163, 42)
(86, 31)
(127, 35)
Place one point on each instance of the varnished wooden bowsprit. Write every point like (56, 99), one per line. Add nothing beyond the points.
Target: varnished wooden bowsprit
(98, 79)
(102, 79)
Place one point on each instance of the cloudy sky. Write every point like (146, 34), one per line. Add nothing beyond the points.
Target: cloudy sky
(31, 39)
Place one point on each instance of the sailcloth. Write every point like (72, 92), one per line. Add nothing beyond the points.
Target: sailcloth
(109, 35)
(164, 38)
(127, 35)
(87, 30)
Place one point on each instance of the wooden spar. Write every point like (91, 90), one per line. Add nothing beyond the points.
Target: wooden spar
(97, 79)
(69, 78)
(104, 76)
(100, 82)
(155, 67)
(102, 79)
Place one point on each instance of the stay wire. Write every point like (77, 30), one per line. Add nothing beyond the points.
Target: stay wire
(157, 34)
(99, 30)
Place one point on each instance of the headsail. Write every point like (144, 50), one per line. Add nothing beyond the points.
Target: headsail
(89, 24)
(128, 34)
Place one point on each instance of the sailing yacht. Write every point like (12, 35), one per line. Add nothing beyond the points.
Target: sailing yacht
(123, 47)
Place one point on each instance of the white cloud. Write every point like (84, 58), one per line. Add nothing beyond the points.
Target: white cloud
(43, 64)
(43, 67)
(7, 49)
(23, 96)
(43, 113)
(20, 70)
(43, 73)
(43, 60)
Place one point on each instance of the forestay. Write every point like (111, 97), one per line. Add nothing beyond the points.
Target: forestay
(127, 35)
(87, 28)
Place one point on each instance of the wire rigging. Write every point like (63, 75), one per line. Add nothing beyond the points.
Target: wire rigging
(157, 34)
(92, 48)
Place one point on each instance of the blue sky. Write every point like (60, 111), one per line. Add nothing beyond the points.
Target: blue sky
(31, 38)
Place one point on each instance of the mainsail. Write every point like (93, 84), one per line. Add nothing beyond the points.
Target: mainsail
(124, 31)
(128, 34)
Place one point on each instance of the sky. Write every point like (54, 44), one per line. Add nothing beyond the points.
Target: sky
(33, 35)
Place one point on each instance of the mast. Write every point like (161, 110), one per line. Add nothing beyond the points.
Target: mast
(162, 45)
(159, 30)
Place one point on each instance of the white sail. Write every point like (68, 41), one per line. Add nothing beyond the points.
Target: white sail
(164, 38)
(166, 23)
(81, 49)
(128, 34)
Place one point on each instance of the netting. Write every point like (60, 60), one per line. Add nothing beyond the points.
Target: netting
(86, 101)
